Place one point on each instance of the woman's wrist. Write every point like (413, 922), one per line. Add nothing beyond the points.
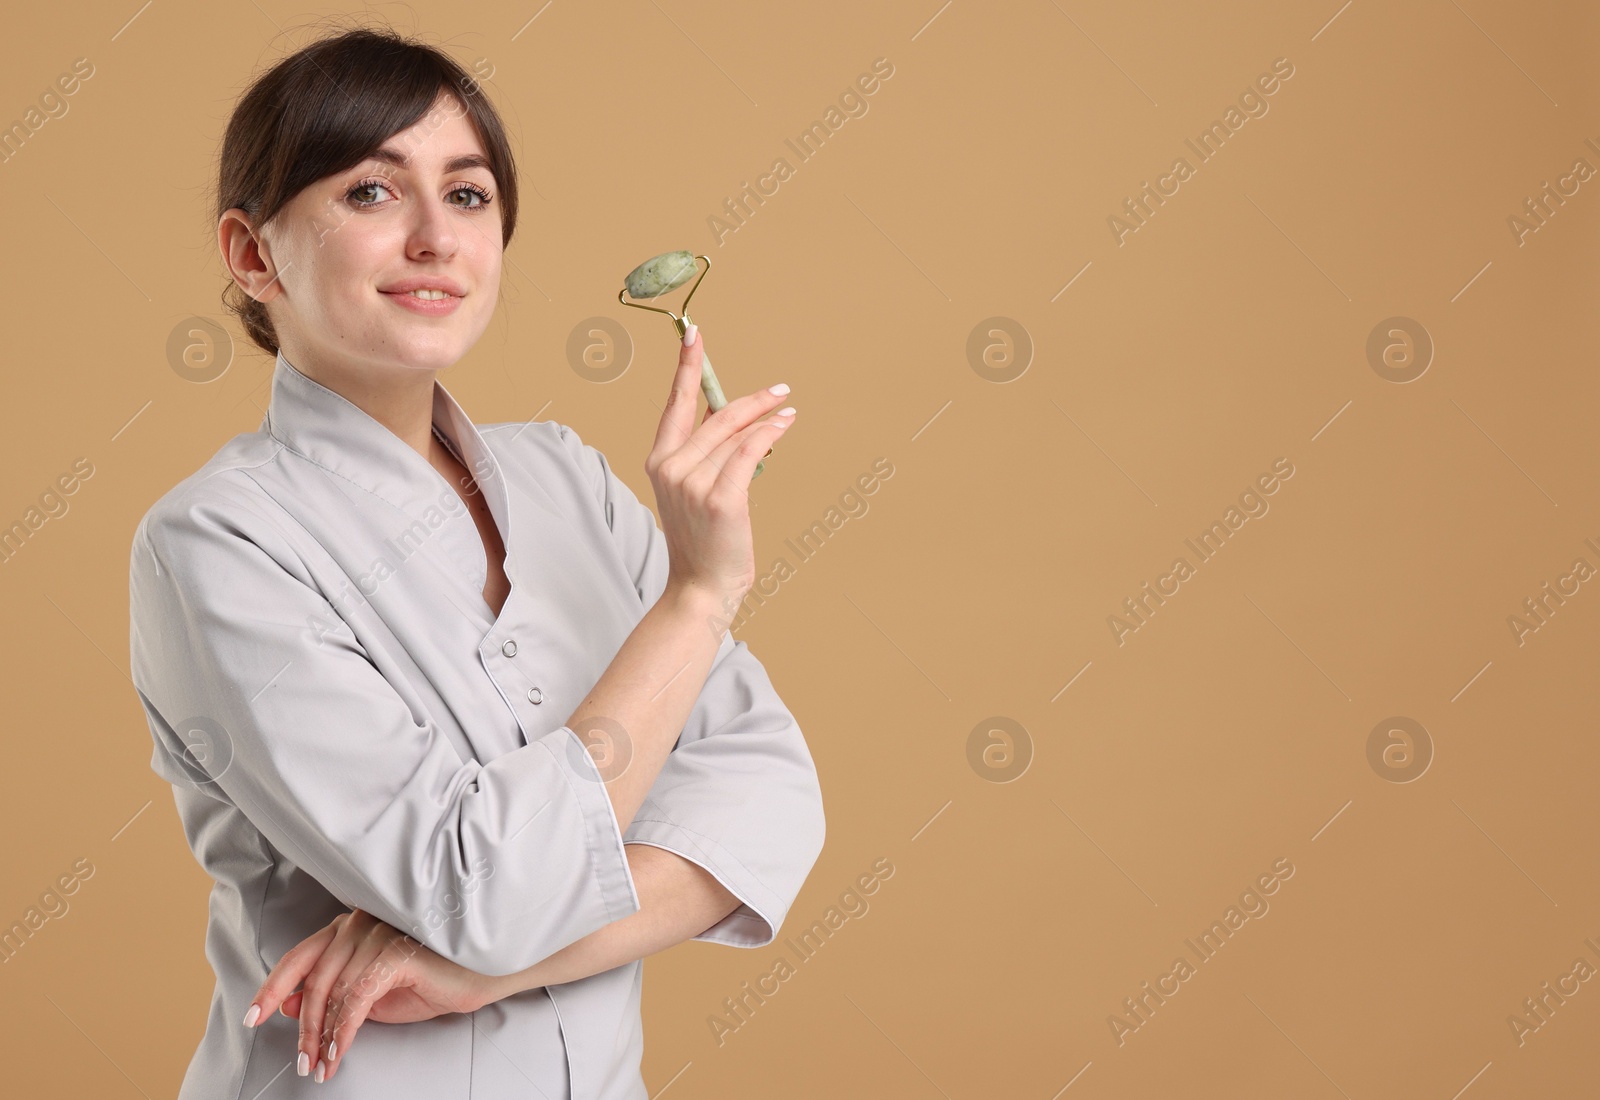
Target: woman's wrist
(499, 987)
(716, 609)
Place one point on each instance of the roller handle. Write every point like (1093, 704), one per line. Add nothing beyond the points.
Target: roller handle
(713, 391)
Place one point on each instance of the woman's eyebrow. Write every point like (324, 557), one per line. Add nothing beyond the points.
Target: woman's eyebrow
(455, 164)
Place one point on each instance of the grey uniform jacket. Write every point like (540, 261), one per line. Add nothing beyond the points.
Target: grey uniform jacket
(345, 723)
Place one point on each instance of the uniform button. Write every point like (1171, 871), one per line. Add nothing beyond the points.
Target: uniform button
(535, 696)
(510, 648)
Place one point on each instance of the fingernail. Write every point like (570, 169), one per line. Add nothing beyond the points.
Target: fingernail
(688, 335)
(787, 410)
(322, 1069)
(779, 390)
(303, 1065)
(252, 1016)
(333, 1051)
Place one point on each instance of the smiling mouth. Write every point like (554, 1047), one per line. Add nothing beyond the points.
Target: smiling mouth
(425, 295)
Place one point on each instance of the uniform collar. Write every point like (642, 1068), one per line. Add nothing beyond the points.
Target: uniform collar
(338, 435)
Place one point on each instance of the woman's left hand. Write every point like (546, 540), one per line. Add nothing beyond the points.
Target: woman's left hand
(359, 968)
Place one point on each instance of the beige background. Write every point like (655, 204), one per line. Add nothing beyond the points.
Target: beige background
(1168, 373)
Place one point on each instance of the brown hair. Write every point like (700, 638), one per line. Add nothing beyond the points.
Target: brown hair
(325, 109)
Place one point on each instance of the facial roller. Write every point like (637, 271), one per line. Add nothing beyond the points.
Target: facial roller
(667, 272)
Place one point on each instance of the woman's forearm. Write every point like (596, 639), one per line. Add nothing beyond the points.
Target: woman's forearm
(678, 899)
(636, 711)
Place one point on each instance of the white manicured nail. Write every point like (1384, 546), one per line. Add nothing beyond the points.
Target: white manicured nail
(303, 1064)
(322, 1070)
(779, 390)
(252, 1016)
(787, 410)
(688, 335)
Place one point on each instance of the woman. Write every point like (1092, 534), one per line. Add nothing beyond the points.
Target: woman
(443, 709)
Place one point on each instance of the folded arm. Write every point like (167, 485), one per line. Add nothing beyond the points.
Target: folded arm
(678, 899)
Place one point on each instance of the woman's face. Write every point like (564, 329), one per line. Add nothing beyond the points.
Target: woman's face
(340, 258)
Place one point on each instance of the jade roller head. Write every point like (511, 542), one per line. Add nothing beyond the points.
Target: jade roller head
(665, 273)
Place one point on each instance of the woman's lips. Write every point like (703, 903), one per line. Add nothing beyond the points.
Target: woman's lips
(437, 307)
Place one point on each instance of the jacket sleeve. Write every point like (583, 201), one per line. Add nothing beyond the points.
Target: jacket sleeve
(493, 866)
(739, 794)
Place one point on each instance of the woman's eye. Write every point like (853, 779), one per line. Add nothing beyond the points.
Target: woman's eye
(365, 186)
(476, 192)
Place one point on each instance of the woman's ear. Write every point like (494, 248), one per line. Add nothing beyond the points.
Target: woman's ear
(247, 256)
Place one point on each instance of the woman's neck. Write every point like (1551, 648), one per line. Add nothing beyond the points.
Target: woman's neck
(399, 398)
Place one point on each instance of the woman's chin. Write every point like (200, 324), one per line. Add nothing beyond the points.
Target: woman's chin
(424, 346)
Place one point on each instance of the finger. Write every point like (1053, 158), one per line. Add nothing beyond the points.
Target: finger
(735, 416)
(376, 977)
(678, 419)
(314, 997)
(349, 988)
(291, 970)
(703, 480)
(736, 459)
(383, 973)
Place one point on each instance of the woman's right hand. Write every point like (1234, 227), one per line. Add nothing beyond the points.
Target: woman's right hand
(701, 476)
